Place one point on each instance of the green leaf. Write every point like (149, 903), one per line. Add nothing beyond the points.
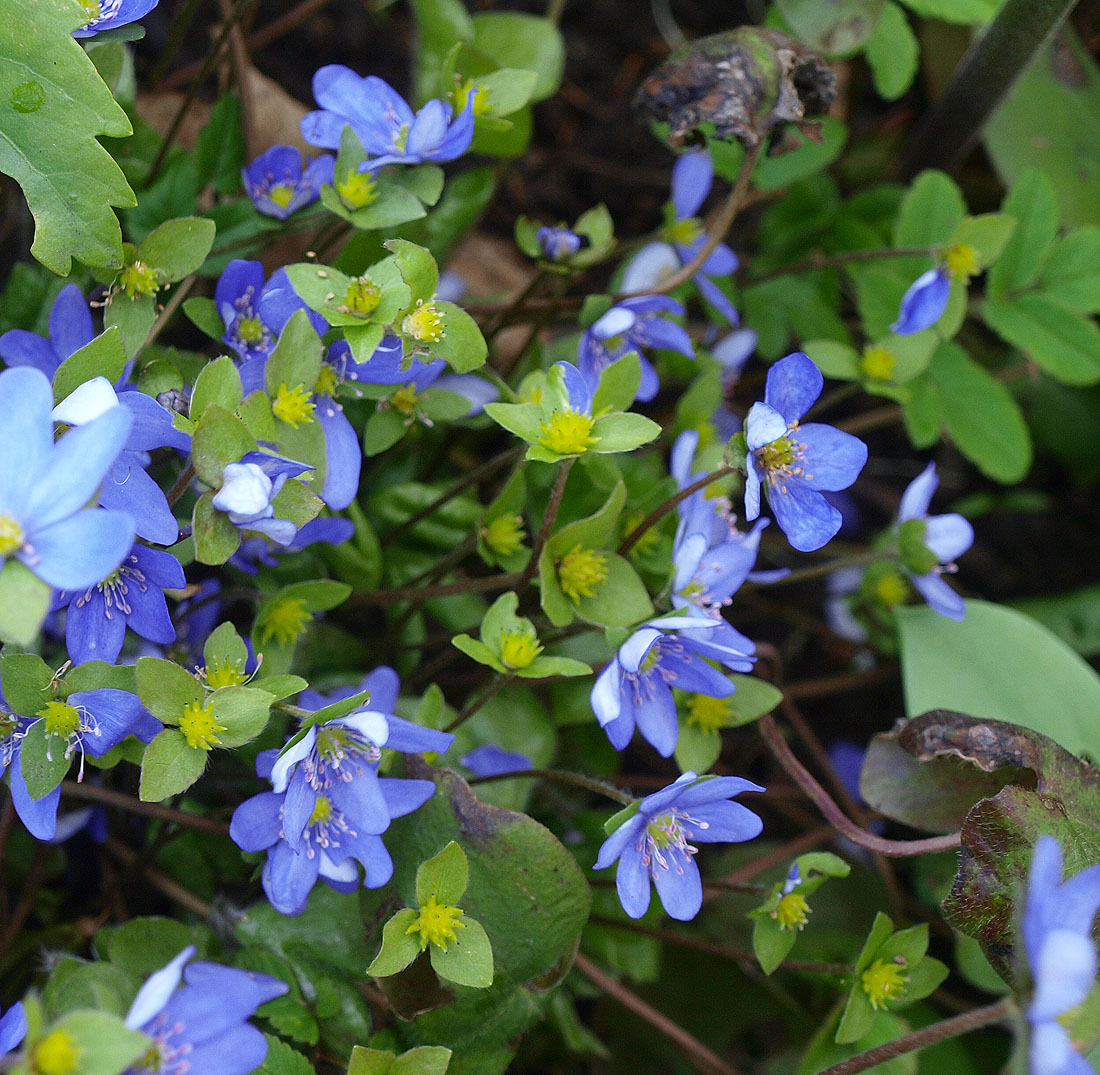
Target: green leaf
(443, 877)
(218, 384)
(441, 23)
(621, 600)
(463, 347)
(25, 679)
(931, 210)
(24, 603)
(170, 766)
(243, 711)
(1031, 202)
(623, 432)
(224, 645)
(424, 1060)
(43, 760)
(752, 699)
(697, 748)
(220, 438)
(514, 39)
(399, 947)
(178, 247)
(203, 314)
(418, 268)
(1065, 344)
(618, 384)
(835, 29)
(282, 1059)
(216, 538)
(988, 234)
(546, 667)
(967, 12)
(823, 1052)
(835, 360)
(807, 158)
(857, 1019)
(219, 148)
(1071, 272)
(103, 1042)
(523, 419)
(770, 944)
(383, 430)
(296, 359)
(982, 666)
(479, 652)
(893, 52)
(57, 105)
(102, 357)
(468, 959)
(165, 688)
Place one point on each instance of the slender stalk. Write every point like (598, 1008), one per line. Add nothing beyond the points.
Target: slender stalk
(981, 81)
(238, 52)
(175, 301)
(187, 476)
(548, 518)
(816, 571)
(425, 593)
(701, 1058)
(873, 419)
(106, 797)
(160, 881)
(498, 684)
(659, 512)
(559, 776)
(834, 815)
(998, 1012)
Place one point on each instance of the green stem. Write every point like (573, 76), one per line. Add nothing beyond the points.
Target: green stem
(981, 81)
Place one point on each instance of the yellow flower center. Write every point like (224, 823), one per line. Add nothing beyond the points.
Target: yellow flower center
(11, 535)
(293, 405)
(137, 278)
(199, 725)
(357, 189)
(362, 297)
(92, 8)
(961, 261)
(780, 453)
(877, 363)
(327, 380)
(284, 620)
(518, 648)
(436, 924)
(791, 911)
(404, 399)
(424, 324)
(708, 714)
(884, 981)
(225, 672)
(322, 811)
(891, 589)
(504, 535)
(581, 571)
(684, 232)
(56, 1054)
(568, 432)
(250, 330)
(282, 194)
(61, 718)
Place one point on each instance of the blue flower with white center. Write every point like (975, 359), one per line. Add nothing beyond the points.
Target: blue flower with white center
(796, 461)
(491, 760)
(107, 14)
(248, 489)
(923, 303)
(131, 596)
(1057, 932)
(13, 1028)
(201, 1027)
(558, 244)
(635, 689)
(633, 325)
(278, 184)
(383, 122)
(654, 843)
(70, 325)
(929, 544)
(692, 176)
(44, 486)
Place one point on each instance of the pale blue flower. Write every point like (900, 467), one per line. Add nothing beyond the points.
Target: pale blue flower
(923, 304)
(278, 184)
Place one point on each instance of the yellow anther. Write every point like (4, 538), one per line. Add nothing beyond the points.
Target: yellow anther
(357, 189)
(56, 1054)
(568, 433)
(61, 718)
(199, 725)
(581, 572)
(884, 981)
(709, 714)
(424, 324)
(961, 261)
(436, 924)
(284, 620)
(878, 363)
(504, 535)
(362, 297)
(11, 535)
(792, 911)
(293, 405)
(519, 648)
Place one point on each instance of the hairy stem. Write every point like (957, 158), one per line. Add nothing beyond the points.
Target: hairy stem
(659, 512)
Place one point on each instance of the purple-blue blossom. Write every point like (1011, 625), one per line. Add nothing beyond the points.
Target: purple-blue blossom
(797, 462)
(1057, 933)
(389, 130)
(70, 329)
(278, 184)
(634, 691)
(923, 303)
(491, 760)
(654, 844)
(930, 544)
(633, 325)
(201, 1026)
(248, 489)
(558, 244)
(107, 14)
(44, 486)
(257, 552)
(13, 1028)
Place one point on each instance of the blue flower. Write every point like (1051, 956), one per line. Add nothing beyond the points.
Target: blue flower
(491, 760)
(383, 122)
(71, 329)
(131, 596)
(558, 244)
(797, 461)
(1057, 932)
(237, 295)
(44, 486)
(278, 185)
(201, 1027)
(929, 544)
(692, 176)
(923, 304)
(633, 325)
(258, 551)
(13, 1028)
(635, 689)
(248, 489)
(107, 14)
(654, 842)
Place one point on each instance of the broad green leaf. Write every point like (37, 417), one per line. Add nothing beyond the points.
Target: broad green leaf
(1032, 203)
(807, 158)
(224, 645)
(463, 347)
(440, 24)
(178, 248)
(57, 105)
(43, 760)
(24, 603)
(1071, 272)
(988, 234)
(893, 52)
(618, 384)
(383, 430)
(103, 1042)
(623, 432)
(132, 317)
(418, 267)
(443, 877)
(752, 699)
(823, 1051)
(220, 438)
(165, 688)
(1074, 617)
(296, 359)
(515, 39)
(835, 360)
(1065, 344)
(985, 666)
(399, 946)
(838, 28)
(218, 383)
(102, 357)
(25, 679)
(243, 711)
(170, 766)
(282, 1059)
(468, 960)
(930, 212)
(216, 538)
(219, 148)
(91, 675)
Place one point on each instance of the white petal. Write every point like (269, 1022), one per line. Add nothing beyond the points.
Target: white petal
(280, 771)
(86, 403)
(154, 994)
(366, 722)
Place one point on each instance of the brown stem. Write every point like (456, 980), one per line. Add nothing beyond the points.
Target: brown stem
(834, 815)
(548, 518)
(702, 1058)
(119, 800)
(448, 589)
(777, 856)
(929, 1035)
(873, 419)
(181, 483)
(832, 260)
(160, 881)
(179, 293)
(559, 776)
(238, 52)
(659, 512)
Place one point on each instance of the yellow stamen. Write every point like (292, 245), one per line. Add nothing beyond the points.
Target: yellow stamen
(11, 535)
(581, 571)
(362, 297)
(424, 324)
(404, 399)
(891, 590)
(436, 924)
(322, 811)
(293, 405)
(961, 261)
(327, 380)
(568, 433)
(708, 714)
(884, 981)
(250, 330)
(61, 718)
(877, 363)
(504, 535)
(519, 648)
(282, 194)
(284, 620)
(137, 278)
(792, 911)
(199, 725)
(357, 189)
(56, 1054)
(225, 672)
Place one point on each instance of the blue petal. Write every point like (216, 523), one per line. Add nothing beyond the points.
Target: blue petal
(13, 1028)
(287, 878)
(92, 635)
(692, 176)
(298, 807)
(70, 321)
(655, 718)
(236, 1051)
(361, 802)
(343, 456)
(632, 883)
(948, 536)
(683, 454)
(763, 424)
(156, 991)
(606, 696)
(726, 823)
(649, 267)
(805, 516)
(1050, 1052)
(322, 129)
(1063, 974)
(618, 842)
(793, 384)
(18, 347)
(940, 596)
(679, 888)
(404, 796)
(918, 495)
(923, 304)
(716, 297)
(116, 713)
(81, 550)
(410, 738)
(128, 488)
(576, 387)
(491, 760)
(26, 437)
(833, 459)
(39, 815)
